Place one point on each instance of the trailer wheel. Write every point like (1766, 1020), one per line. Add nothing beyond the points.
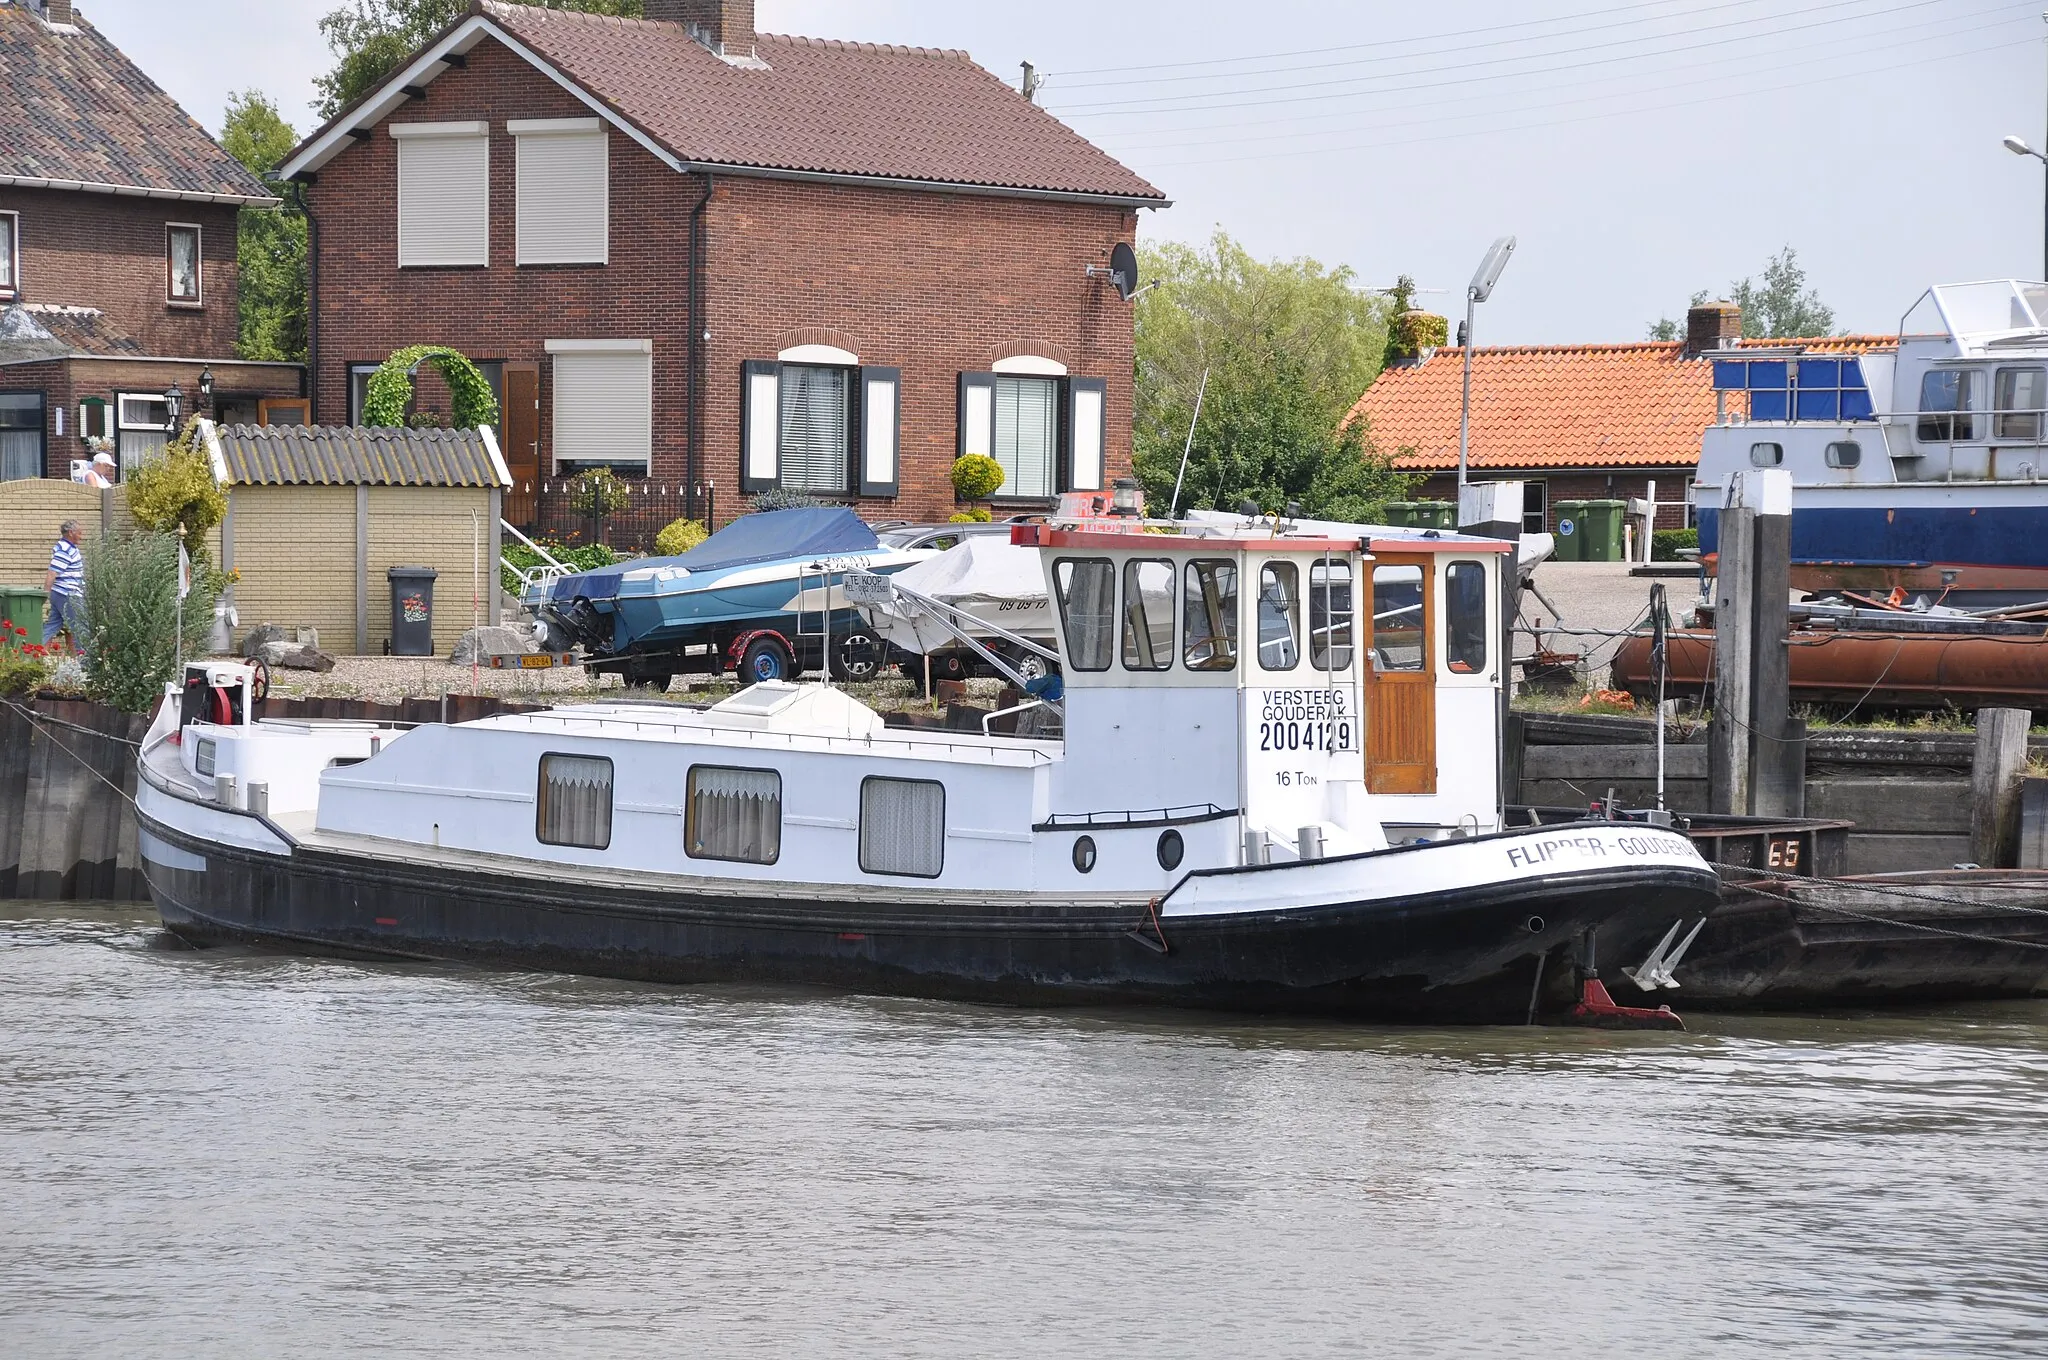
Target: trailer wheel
(765, 659)
(856, 657)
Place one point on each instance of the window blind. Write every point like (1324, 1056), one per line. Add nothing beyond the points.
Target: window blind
(902, 827)
(734, 814)
(575, 801)
(564, 202)
(1027, 426)
(444, 194)
(811, 443)
(603, 401)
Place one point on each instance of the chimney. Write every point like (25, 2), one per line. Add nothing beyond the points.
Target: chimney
(54, 11)
(1712, 326)
(725, 26)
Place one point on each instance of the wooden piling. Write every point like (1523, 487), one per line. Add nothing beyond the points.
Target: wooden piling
(1995, 785)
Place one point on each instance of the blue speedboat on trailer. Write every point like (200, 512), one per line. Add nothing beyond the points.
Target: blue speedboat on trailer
(765, 596)
(1274, 788)
(1917, 467)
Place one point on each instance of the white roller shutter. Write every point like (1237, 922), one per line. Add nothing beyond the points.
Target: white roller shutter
(564, 209)
(604, 401)
(444, 193)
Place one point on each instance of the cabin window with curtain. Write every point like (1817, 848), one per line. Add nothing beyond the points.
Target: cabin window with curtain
(1766, 454)
(902, 827)
(1208, 627)
(181, 264)
(1399, 640)
(1465, 617)
(1946, 398)
(733, 814)
(1844, 453)
(1329, 615)
(2021, 394)
(1279, 616)
(575, 803)
(1148, 615)
(1086, 590)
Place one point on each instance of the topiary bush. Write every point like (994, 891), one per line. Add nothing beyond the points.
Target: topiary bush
(679, 536)
(598, 492)
(131, 608)
(390, 388)
(980, 514)
(976, 475)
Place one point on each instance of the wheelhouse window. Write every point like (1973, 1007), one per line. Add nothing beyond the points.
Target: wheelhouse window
(1766, 454)
(22, 419)
(1279, 616)
(2020, 396)
(1465, 617)
(1399, 640)
(1329, 615)
(142, 421)
(182, 264)
(575, 801)
(1086, 589)
(902, 827)
(1946, 398)
(1148, 614)
(10, 254)
(733, 814)
(1208, 625)
(1844, 453)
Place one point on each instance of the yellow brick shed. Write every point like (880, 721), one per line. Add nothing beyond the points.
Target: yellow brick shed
(318, 514)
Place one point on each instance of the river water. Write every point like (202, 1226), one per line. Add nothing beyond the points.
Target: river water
(234, 1153)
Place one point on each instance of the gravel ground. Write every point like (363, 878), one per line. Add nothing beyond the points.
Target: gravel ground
(1600, 596)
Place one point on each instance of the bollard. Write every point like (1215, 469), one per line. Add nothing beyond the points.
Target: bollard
(1995, 785)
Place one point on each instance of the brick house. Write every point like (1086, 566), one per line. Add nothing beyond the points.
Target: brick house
(117, 254)
(724, 261)
(1572, 422)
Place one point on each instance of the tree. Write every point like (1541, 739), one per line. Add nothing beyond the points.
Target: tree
(1288, 347)
(370, 38)
(271, 244)
(1781, 307)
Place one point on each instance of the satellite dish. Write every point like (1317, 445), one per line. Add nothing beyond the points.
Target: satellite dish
(1123, 269)
(1490, 267)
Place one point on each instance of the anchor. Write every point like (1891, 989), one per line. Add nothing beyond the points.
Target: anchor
(1655, 971)
(1598, 1010)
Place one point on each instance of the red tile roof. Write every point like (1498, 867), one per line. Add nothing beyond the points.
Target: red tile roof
(1559, 406)
(77, 113)
(817, 107)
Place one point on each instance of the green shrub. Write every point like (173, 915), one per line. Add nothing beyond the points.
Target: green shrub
(976, 475)
(390, 388)
(598, 492)
(679, 536)
(1665, 543)
(980, 514)
(775, 498)
(131, 604)
(587, 557)
(23, 670)
(178, 489)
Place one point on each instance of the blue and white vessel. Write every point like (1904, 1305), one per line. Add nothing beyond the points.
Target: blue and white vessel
(1914, 467)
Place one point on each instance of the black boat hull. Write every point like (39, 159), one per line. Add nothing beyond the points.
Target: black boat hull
(1469, 957)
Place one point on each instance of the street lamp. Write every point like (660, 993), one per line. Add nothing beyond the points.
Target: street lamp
(174, 406)
(1477, 292)
(2018, 146)
(206, 390)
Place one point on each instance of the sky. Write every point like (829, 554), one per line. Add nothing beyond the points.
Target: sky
(1638, 151)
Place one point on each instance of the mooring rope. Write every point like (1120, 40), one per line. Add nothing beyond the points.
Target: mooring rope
(1863, 885)
(2004, 940)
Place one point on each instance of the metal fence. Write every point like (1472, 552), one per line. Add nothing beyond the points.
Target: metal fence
(650, 507)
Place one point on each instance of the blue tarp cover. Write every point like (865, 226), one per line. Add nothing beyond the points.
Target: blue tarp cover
(772, 535)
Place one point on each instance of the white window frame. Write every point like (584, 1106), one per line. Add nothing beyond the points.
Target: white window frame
(480, 132)
(198, 298)
(122, 425)
(644, 457)
(11, 286)
(527, 133)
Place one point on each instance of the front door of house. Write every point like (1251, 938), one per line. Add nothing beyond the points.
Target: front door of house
(1400, 699)
(521, 423)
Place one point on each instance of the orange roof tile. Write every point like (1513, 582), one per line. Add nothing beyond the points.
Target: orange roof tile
(1560, 406)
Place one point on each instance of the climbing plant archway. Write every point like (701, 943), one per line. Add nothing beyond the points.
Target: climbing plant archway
(390, 388)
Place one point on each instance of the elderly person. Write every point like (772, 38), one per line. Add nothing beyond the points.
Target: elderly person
(64, 583)
(98, 474)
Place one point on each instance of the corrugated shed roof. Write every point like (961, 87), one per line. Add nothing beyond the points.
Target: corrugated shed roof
(1560, 406)
(76, 111)
(356, 455)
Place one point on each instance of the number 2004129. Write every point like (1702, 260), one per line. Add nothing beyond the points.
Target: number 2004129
(1324, 735)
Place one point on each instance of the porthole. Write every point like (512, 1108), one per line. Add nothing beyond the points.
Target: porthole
(1171, 848)
(1084, 854)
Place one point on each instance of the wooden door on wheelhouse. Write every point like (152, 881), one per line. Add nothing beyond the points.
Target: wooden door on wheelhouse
(1400, 679)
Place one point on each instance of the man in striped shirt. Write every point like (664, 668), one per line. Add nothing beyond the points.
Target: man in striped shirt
(64, 583)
